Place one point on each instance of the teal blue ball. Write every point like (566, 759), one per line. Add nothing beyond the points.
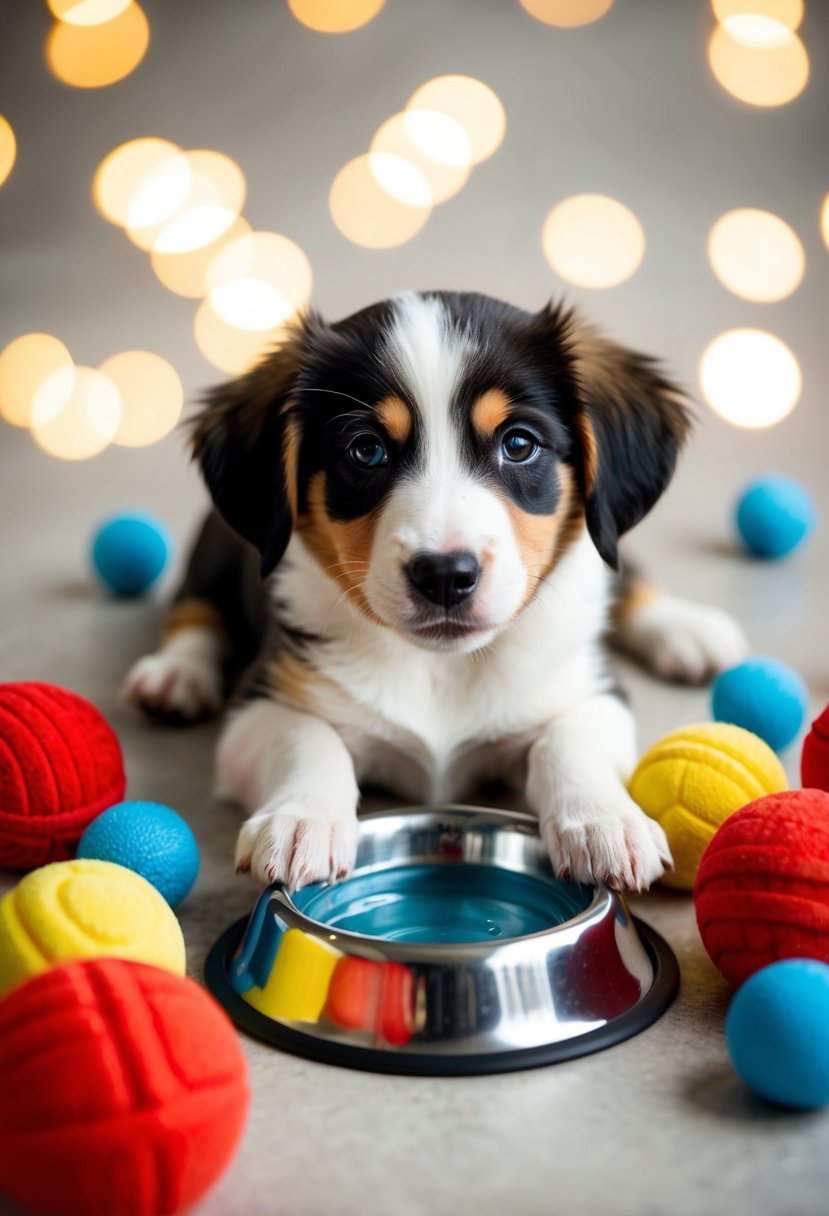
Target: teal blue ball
(777, 1036)
(130, 552)
(149, 838)
(774, 515)
(764, 696)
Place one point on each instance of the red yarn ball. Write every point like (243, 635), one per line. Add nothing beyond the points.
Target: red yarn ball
(814, 759)
(60, 766)
(762, 888)
(125, 1090)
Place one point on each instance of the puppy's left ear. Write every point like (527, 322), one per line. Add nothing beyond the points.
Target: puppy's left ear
(630, 426)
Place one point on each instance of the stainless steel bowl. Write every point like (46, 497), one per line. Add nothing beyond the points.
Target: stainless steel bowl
(452, 949)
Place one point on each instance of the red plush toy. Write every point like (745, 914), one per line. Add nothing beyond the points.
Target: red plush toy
(762, 888)
(814, 760)
(60, 766)
(125, 1089)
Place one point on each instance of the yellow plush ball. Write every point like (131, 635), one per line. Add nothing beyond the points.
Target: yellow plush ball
(85, 909)
(694, 778)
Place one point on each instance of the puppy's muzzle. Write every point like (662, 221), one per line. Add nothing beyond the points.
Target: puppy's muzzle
(444, 579)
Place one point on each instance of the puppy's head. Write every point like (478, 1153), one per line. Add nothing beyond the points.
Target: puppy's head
(438, 453)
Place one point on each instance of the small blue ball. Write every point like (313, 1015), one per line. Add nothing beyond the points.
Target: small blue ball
(777, 1031)
(129, 552)
(150, 839)
(764, 696)
(774, 514)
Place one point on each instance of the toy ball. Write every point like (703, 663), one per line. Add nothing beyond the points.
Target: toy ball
(125, 1089)
(764, 696)
(130, 551)
(693, 779)
(149, 838)
(814, 760)
(776, 1031)
(774, 515)
(60, 766)
(84, 909)
(762, 889)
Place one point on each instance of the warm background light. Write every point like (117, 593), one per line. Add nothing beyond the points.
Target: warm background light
(81, 425)
(230, 349)
(187, 202)
(151, 394)
(93, 56)
(435, 144)
(335, 16)
(750, 377)
(471, 103)
(824, 221)
(567, 12)
(401, 178)
(122, 173)
(759, 22)
(366, 214)
(87, 12)
(8, 148)
(258, 281)
(760, 74)
(593, 241)
(756, 255)
(25, 365)
(186, 273)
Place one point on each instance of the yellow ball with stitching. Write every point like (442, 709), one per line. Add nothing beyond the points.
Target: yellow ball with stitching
(693, 779)
(85, 909)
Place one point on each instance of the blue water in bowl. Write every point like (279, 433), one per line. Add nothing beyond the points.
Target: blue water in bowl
(443, 903)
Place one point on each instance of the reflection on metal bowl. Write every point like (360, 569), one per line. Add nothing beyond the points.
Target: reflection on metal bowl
(452, 949)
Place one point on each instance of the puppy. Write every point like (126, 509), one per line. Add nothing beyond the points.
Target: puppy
(411, 567)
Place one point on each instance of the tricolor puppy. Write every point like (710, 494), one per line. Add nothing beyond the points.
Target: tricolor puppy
(412, 558)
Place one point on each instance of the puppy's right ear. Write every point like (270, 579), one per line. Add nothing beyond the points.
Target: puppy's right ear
(246, 441)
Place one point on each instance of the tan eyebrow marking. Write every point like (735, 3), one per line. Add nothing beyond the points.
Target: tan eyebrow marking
(490, 410)
(396, 417)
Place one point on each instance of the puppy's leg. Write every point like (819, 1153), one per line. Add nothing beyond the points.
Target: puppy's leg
(293, 773)
(578, 770)
(679, 639)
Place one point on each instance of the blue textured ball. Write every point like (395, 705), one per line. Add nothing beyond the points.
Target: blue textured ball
(149, 838)
(764, 696)
(777, 1031)
(774, 514)
(130, 551)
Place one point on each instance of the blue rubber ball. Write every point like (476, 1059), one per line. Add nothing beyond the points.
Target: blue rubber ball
(764, 696)
(149, 838)
(774, 514)
(129, 552)
(777, 1031)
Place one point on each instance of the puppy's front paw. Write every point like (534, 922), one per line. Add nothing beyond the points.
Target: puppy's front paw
(682, 640)
(175, 686)
(293, 846)
(621, 847)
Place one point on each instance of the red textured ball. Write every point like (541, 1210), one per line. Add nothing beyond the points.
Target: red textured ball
(814, 760)
(60, 766)
(125, 1090)
(762, 888)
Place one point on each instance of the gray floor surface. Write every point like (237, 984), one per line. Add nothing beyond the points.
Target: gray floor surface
(659, 1125)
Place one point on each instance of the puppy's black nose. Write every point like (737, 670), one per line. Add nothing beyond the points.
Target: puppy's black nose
(443, 578)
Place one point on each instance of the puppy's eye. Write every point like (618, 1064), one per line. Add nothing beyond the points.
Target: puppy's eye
(367, 452)
(519, 446)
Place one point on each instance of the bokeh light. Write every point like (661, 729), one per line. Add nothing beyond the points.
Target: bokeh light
(567, 12)
(471, 103)
(750, 378)
(8, 149)
(93, 56)
(756, 255)
(25, 365)
(365, 212)
(186, 273)
(434, 143)
(151, 394)
(186, 202)
(759, 22)
(759, 73)
(87, 12)
(335, 16)
(231, 349)
(81, 425)
(593, 241)
(258, 281)
(401, 178)
(121, 174)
